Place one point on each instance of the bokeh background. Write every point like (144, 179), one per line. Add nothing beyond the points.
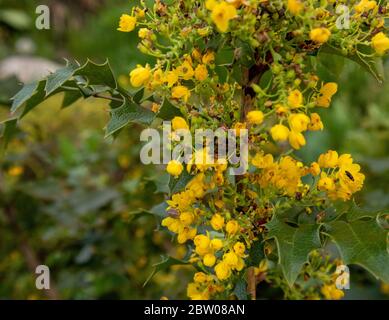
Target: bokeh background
(73, 201)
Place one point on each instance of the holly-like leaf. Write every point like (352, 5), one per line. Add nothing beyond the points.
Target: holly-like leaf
(164, 265)
(294, 245)
(128, 112)
(364, 243)
(168, 111)
(59, 77)
(23, 95)
(97, 74)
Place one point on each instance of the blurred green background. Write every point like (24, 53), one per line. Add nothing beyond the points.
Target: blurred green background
(72, 200)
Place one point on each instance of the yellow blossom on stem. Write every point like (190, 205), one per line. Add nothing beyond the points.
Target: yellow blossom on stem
(320, 35)
(221, 14)
(127, 23)
(181, 92)
(140, 76)
(174, 168)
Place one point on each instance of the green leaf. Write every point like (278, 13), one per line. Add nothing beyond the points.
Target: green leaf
(179, 184)
(371, 65)
(256, 253)
(69, 98)
(164, 265)
(128, 112)
(240, 290)
(294, 245)
(8, 130)
(225, 57)
(159, 209)
(364, 243)
(168, 111)
(35, 99)
(23, 95)
(59, 77)
(97, 74)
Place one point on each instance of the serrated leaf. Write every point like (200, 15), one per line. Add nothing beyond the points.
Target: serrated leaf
(97, 74)
(35, 99)
(23, 95)
(128, 112)
(164, 265)
(168, 111)
(364, 243)
(59, 77)
(294, 245)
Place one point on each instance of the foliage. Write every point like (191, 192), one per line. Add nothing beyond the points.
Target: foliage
(246, 65)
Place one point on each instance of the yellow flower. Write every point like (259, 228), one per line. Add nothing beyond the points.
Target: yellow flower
(15, 171)
(350, 178)
(209, 260)
(365, 5)
(295, 99)
(187, 218)
(316, 124)
(330, 292)
(221, 14)
(262, 161)
(216, 244)
(174, 168)
(295, 6)
(171, 78)
(296, 140)
(143, 33)
(202, 241)
(223, 271)
(181, 92)
(380, 43)
(314, 169)
(298, 122)
(179, 123)
(140, 76)
(158, 78)
(185, 70)
(232, 227)
(217, 221)
(239, 248)
(326, 93)
(209, 57)
(210, 4)
(200, 277)
(255, 117)
(201, 72)
(320, 35)
(325, 183)
(279, 132)
(231, 259)
(127, 23)
(328, 159)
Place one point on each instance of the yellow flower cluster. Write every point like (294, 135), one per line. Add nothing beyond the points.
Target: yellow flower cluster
(247, 65)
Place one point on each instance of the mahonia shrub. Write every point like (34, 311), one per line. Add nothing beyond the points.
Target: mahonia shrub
(247, 64)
